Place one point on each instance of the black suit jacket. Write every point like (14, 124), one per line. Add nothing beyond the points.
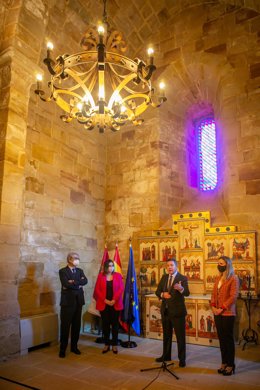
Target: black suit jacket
(176, 304)
(72, 293)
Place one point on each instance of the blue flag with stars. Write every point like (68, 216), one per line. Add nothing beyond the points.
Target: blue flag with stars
(131, 306)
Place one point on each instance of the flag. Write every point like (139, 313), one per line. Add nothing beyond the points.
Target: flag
(117, 261)
(118, 268)
(92, 307)
(131, 306)
(104, 258)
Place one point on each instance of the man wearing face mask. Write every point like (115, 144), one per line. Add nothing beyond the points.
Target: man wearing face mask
(72, 299)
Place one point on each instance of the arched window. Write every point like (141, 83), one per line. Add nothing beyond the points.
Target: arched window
(205, 130)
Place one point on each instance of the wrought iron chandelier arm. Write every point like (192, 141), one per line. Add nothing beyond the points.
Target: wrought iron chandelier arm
(129, 90)
(81, 83)
(50, 63)
(116, 92)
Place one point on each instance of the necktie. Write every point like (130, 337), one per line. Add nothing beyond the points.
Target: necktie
(169, 282)
(73, 270)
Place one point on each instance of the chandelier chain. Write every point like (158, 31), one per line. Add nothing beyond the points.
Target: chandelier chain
(104, 19)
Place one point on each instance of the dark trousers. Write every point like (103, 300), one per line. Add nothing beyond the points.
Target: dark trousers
(70, 319)
(225, 330)
(178, 324)
(110, 318)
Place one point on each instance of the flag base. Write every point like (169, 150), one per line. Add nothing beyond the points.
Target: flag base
(128, 344)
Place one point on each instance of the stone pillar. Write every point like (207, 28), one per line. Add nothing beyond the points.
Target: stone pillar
(15, 85)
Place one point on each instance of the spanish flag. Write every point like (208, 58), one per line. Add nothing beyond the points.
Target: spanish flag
(117, 261)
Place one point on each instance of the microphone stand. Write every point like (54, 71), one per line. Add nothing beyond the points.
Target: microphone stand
(164, 366)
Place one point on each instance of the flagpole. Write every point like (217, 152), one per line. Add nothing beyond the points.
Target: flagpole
(129, 343)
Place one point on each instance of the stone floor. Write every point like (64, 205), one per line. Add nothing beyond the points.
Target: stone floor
(43, 369)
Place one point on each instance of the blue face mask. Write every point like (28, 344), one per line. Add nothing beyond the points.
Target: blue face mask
(222, 268)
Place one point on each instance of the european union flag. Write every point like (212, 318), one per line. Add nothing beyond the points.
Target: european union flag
(131, 305)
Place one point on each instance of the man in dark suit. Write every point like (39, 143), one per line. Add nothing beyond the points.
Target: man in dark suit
(172, 289)
(72, 299)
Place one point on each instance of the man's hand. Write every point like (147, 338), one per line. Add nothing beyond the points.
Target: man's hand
(71, 281)
(166, 295)
(178, 287)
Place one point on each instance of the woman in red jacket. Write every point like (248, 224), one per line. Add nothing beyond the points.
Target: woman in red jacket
(223, 302)
(108, 294)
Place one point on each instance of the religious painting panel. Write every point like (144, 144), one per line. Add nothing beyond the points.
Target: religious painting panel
(242, 247)
(247, 277)
(192, 266)
(215, 247)
(191, 235)
(162, 270)
(168, 249)
(153, 318)
(211, 273)
(206, 324)
(148, 277)
(190, 322)
(149, 250)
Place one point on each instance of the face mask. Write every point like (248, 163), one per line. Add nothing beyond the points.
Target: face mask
(75, 262)
(222, 268)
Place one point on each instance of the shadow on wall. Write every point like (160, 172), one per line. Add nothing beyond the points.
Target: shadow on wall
(35, 294)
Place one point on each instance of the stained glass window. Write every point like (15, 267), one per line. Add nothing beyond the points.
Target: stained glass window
(207, 154)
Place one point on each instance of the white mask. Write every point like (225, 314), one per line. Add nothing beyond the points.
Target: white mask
(75, 262)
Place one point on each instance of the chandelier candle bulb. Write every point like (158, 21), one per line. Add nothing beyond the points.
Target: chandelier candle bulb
(39, 81)
(101, 32)
(150, 52)
(49, 49)
(162, 88)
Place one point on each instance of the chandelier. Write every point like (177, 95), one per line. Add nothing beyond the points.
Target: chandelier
(99, 86)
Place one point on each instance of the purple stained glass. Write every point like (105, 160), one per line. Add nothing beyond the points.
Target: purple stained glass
(208, 174)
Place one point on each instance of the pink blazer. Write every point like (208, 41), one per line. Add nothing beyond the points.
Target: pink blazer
(226, 296)
(100, 291)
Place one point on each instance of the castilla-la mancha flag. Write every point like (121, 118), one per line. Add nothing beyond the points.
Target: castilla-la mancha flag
(117, 261)
(104, 258)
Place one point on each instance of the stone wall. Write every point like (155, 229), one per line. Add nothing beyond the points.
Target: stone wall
(132, 183)
(64, 189)
(52, 178)
(63, 206)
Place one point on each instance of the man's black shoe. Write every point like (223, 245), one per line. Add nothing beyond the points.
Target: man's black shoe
(160, 359)
(76, 351)
(182, 364)
(62, 354)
